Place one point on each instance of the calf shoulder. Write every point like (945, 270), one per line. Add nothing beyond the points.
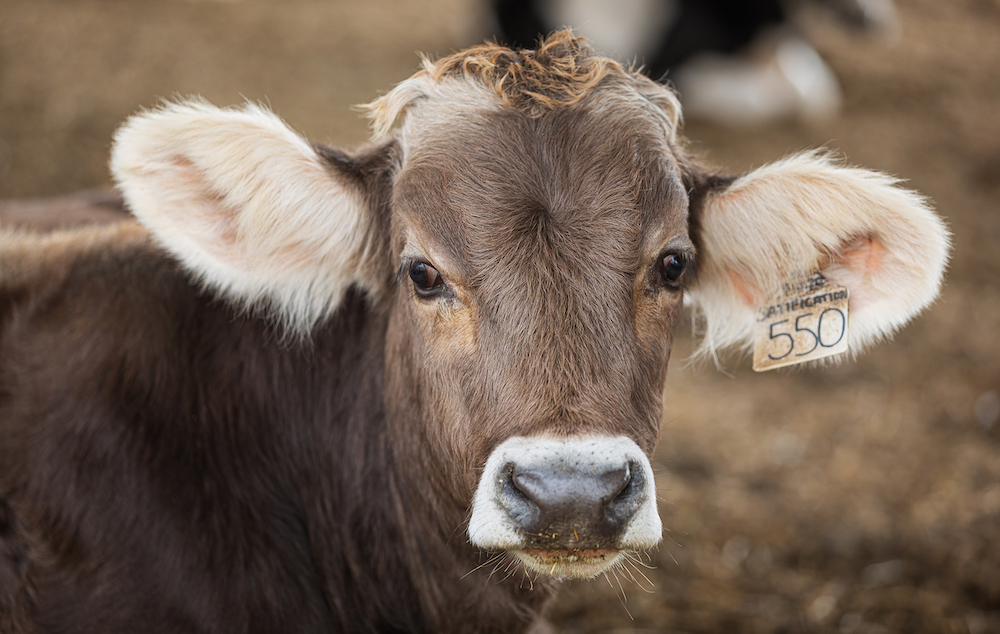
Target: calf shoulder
(152, 445)
(32, 262)
(97, 206)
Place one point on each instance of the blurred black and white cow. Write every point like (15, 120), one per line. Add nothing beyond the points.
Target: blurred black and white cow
(311, 391)
(736, 62)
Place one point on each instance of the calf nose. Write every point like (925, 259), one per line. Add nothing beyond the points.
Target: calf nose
(559, 508)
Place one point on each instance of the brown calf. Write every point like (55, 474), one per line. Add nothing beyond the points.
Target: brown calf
(311, 391)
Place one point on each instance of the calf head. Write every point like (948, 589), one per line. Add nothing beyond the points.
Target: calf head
(531, 224)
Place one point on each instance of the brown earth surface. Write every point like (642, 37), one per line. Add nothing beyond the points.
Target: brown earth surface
(862, 497)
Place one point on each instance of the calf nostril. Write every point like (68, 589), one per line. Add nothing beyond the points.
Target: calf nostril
(615, 483)
(517, 499)
(529, 484)
(628, 498)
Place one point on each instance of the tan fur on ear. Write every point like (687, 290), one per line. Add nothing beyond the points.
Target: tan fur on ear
(808, 213)
(247, 206)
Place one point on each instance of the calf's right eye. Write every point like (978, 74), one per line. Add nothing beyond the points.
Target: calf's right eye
(671, 269)
(427, 282)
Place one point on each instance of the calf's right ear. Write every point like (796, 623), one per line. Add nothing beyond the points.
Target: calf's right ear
(805, 214)
(251, 208)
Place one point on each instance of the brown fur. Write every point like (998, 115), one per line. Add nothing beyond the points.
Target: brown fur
(95, 206)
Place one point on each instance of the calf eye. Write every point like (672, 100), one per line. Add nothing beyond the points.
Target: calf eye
(671, 269)
(427, 282)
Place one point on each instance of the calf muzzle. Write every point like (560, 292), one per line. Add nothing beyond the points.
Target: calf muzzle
(566, 506)
(560, 508)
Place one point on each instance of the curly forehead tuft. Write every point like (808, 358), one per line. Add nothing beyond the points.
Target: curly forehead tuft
(559, 72)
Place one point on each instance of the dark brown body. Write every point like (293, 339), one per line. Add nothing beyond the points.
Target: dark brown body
(181, 468)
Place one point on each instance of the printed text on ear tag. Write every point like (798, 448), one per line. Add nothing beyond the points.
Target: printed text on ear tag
(807, 322)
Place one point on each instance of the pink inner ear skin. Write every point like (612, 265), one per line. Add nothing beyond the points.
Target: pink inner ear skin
(747, 291)
(863, 255)
(861, 267)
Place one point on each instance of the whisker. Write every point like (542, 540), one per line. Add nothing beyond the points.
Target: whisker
(672, 555)
(628, 572)
(527, 575)
(608, 580)
(510, 573)
(622, 598)
(513, 560)
(488, 561)
(495, 568)
(618, 580)
(511, 569)
(636, 558)
(643, 575)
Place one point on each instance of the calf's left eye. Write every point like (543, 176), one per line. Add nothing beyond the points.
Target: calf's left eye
(426, 279)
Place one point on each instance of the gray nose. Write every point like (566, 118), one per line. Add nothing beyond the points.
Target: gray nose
(557, 508)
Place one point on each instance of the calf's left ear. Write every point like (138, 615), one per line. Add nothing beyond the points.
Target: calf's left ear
(804, 214)
(251, 208)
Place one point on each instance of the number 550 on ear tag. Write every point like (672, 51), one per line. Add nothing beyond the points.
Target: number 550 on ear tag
(808, 322)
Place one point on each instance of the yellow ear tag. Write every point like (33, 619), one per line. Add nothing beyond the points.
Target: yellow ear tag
(807, 321)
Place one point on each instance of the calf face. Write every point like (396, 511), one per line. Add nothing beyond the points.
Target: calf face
(542, 262)
(532, 241)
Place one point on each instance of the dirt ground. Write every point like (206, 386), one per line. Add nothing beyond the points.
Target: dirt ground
(863, 497)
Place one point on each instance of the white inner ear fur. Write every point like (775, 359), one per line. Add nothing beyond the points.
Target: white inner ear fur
(807, 213)
(247, 206)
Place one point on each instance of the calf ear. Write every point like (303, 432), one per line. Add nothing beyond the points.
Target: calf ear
(250, 207)
(807, 213)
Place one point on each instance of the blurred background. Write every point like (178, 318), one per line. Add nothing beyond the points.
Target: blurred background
(863, 497)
